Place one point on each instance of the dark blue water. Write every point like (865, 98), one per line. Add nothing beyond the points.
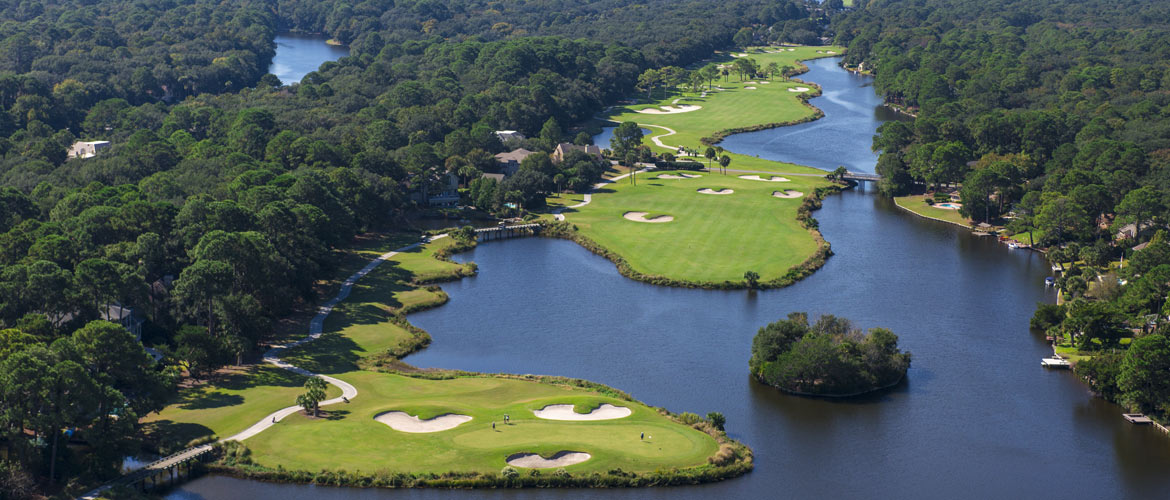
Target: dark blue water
(606, 135)
(977, 418)
(297, 55)
(843, 137)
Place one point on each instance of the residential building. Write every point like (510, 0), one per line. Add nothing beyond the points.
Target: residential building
(510, 161)
(509, 135)
(87, 149)
(444, 192)
(564, 148)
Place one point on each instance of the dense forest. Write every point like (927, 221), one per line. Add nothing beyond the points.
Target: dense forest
(224, 194)
(1052, 118)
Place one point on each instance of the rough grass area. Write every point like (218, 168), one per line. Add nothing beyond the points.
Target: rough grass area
(234, 399)
(712, 238)
(354, 441)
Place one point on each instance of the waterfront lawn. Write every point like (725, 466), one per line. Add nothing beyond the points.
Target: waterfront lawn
(713, 237)
(234, 399)
(915, 204)
(735, 106)
(350, 438)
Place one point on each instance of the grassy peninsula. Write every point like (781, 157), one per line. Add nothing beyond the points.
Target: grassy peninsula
(722, 225)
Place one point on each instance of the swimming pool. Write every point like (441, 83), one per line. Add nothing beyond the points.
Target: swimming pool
(949, 206)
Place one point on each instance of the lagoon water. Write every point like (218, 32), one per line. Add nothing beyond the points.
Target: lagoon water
(977, 417)
(298, 54)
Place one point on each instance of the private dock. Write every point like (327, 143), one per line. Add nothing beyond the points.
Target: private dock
(1137, 418)
(1055, 363)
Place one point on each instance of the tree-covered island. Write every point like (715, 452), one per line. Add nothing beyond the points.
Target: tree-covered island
(827, 358)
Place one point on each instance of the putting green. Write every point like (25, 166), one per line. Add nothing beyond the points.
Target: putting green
(354, 441)
(712, 238)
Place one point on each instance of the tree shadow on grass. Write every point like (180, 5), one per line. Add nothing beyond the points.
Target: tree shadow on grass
(207, 400)
(332, 353)
(170, 435)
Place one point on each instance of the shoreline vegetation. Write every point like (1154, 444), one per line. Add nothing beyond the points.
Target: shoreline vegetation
(828, 358)
(728, 458)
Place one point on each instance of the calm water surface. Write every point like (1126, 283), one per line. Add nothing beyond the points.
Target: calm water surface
(297, 55)
(977, 418)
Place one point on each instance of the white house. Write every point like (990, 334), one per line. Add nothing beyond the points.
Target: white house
(508, 135)
(87, 149)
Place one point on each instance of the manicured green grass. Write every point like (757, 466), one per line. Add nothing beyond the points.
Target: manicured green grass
(561, 200)
(229, 403)
(915, 204)
(713, 237)
(734, 107)
(351, 439)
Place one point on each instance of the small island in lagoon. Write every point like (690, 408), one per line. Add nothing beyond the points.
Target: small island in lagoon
(828, 358)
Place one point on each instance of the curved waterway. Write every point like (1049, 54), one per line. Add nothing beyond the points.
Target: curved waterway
(977, 417)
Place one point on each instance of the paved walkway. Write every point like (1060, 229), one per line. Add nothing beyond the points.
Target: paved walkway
(557, 215)
(348, 391)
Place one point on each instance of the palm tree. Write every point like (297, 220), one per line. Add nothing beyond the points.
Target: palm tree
(710, 154)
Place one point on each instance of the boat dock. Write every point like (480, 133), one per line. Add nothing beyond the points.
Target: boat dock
(1137, 418)
(1055, 363)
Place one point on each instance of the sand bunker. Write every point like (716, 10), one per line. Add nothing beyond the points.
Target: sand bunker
(712, 191)
(402, 422)
(798, 89)
(739, 55)
(830, 52)
(641, 217)
(758, 178)
(787, 194)
(534, 461)
(765, 83)
(666, 110)
(749, 88)
(791, 50)
(751, 83)
(565, 412)
(678, 176)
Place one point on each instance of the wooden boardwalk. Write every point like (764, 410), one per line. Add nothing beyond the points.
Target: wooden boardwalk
(504, 232)
(166, 467)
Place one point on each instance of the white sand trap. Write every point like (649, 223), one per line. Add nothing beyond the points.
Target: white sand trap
(534, 461)
(787, 194)
(666, 110)
(565, 412)
(679, 176)
(739, 55)
(791, 50)
(830, 52)
(764, 83)
(712, 191)
(749, 88)
(641, 217)
(751, 83)
(758, 178)
(402, 422)
(798, 89)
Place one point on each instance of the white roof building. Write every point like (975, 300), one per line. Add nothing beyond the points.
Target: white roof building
(87, 149)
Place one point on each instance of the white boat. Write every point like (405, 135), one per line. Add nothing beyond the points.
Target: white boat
(1012, 245)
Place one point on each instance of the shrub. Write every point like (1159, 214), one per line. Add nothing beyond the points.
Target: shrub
(509, 472)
